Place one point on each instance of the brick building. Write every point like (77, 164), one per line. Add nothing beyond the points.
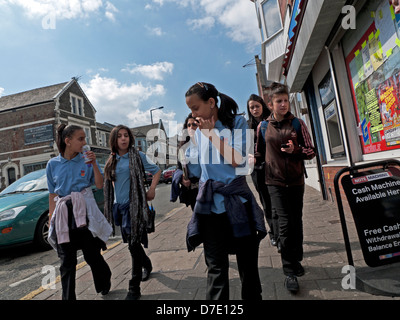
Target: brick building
(28, 126)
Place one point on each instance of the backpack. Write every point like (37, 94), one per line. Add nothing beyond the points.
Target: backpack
(295, 123)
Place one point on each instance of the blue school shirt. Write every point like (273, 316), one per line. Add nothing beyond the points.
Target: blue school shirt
(122, 175)
(211, 161)
(66, 176)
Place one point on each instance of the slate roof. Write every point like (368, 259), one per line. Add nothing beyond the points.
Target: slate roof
(31, 97)
(142, 131)
(104, 126)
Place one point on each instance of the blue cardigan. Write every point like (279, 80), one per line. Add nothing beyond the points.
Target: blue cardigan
(243, 224)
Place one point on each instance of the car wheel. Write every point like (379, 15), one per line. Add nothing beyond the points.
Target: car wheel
(42, 232)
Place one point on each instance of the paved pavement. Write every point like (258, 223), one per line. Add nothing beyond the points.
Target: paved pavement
(179, 275)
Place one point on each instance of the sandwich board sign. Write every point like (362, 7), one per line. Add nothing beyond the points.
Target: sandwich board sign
(374, 199)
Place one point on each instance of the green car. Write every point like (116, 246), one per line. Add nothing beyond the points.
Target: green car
(24, 210)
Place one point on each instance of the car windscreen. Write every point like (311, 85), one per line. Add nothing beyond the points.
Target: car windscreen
(34, 181)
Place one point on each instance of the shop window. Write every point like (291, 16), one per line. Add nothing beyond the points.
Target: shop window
(327, 94)
(373, 62)
(272, 17)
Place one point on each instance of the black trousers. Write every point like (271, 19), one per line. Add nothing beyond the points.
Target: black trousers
(218, 243)
(82, 239)
(288, 203)
(258, 177)
(139, 260)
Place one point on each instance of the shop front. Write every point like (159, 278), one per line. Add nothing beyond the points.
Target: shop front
(353, 91)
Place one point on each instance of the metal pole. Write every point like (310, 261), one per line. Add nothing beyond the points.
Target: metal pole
(151, 112)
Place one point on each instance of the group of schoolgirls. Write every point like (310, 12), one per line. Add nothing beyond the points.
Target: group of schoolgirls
(76, 222)
(226, 218)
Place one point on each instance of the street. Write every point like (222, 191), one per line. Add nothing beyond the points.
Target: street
(23, 268)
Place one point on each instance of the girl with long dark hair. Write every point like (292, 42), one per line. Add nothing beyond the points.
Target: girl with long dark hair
(258, 111)
(226, 218)
(125, 200)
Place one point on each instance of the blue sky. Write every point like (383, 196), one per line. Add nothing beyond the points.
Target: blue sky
(130, 55)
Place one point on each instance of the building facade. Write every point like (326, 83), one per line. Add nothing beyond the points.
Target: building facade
(152, 140)
(29, 120)
(341, 62)
(28, 130)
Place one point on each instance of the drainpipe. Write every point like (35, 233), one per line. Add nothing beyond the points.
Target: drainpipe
(339, 108)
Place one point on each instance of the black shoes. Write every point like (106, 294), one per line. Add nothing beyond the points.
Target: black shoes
(133, 295)
(276, 243)
(291, 284)
(106, 289)
(133, 291)
(300, 271)
(146, 273)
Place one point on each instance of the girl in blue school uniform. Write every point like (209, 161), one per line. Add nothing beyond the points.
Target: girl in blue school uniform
(75, 220)
(226, 218)
(185, 181)
(125, 199)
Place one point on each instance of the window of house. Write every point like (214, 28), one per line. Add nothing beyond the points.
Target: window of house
(88, 135)
(28, 168)
(327, 94)
(73, 105)
(141, 144)
(103, 140)
(80, 107)
(260, 24)
(272, 17)
(77, 105)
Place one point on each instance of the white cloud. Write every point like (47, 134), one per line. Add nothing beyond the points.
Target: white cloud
(159, 2)
(154, 71)
(157, 31)
(110, 11)
(64, 9)
(120, 103)
(202, 24)
(238, 17)
(1, 91)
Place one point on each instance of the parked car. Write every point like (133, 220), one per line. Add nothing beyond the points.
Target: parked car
(149, 177)
(166, 175)
(24, 209)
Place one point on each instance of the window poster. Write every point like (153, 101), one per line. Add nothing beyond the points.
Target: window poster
(373, 67)
(389, 107)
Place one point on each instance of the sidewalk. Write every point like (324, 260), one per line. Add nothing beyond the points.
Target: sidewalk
(180, 275)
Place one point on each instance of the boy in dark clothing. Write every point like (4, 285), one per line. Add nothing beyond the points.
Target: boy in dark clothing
(285, 150)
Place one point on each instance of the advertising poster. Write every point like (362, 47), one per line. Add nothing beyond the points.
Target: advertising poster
(390, 110)
(373, 68)
(374, 199)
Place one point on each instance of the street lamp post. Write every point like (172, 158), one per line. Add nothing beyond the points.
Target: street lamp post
(151, 114)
